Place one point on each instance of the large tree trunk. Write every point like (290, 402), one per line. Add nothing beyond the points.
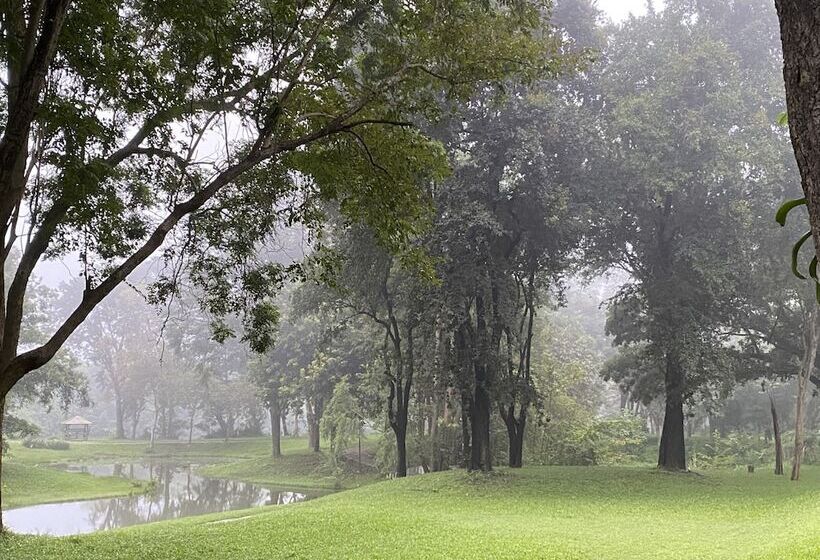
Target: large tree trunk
(515, 433)
(275, 428)
(810, 340)
(401, 451)
(799, 22)
(672, 449)
(2, 417)
(778, 441)
(480, 454)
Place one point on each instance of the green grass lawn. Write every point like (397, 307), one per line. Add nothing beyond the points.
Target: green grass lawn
(538, 512)
(25, 485)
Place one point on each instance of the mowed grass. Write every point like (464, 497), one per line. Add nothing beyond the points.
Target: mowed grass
(112, 450)
(538, 512)
(25, 485)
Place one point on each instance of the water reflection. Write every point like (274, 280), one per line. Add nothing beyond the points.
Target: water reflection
(175, 491)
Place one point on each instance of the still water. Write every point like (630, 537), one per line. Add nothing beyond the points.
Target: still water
(175, 491)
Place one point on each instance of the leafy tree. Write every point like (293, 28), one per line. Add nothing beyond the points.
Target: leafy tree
(686, 147)
(342, 421)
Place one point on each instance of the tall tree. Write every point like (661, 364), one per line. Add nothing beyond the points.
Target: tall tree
(686, 147)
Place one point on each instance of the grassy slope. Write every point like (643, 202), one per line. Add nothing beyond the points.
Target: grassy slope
(545, 512)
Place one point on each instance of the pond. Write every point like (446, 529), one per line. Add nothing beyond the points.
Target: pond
(175, 491)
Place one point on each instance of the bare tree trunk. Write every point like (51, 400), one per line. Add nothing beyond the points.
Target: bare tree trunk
(778, 441)
(275, 428)
(314, 417)
(285, 424)
(154, 425)
(191, 425)
(672, 449)
(810, 339)
(120, 414)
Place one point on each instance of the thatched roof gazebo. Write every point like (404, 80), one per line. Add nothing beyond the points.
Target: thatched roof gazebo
(76, 428)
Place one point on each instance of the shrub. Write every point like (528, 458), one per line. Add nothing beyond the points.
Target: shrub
(734, 449)
(617, 440)
(40, 443)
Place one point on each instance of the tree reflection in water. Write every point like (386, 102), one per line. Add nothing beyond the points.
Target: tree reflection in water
(176, 492)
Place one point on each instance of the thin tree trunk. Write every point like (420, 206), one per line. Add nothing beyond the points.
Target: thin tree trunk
(275, 428)
(314, 417)
(672, 450)
(120, 414)
(778, 441)
(154, 425)
(810, 340)
(191, 426)
(285, 424)
(466, 436)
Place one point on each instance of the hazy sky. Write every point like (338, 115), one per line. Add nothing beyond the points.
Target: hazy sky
(620, 9)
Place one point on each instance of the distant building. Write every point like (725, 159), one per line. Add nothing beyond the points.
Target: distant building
(76, 428)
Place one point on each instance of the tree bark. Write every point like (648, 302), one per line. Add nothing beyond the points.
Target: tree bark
(672, 450)
(401, 451)
(480, 454)
(466, 436)
(799, 22)
(120, 414)
(2, 418)
(275, 428)
(810, 341)
(191, 425)
(285, 424)
(515, 433)
(778, 441)
(314, 417)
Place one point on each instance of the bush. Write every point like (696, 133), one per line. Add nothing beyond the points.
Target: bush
(617, 440)
(604, 441)
(40, 443)
(732, 450)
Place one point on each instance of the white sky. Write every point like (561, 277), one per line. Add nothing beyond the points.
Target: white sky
(618, 10)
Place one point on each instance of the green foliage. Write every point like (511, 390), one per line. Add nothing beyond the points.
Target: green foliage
(617, 440)
(786, 207)
(341, 422)
(735, 449)
(38, 443)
